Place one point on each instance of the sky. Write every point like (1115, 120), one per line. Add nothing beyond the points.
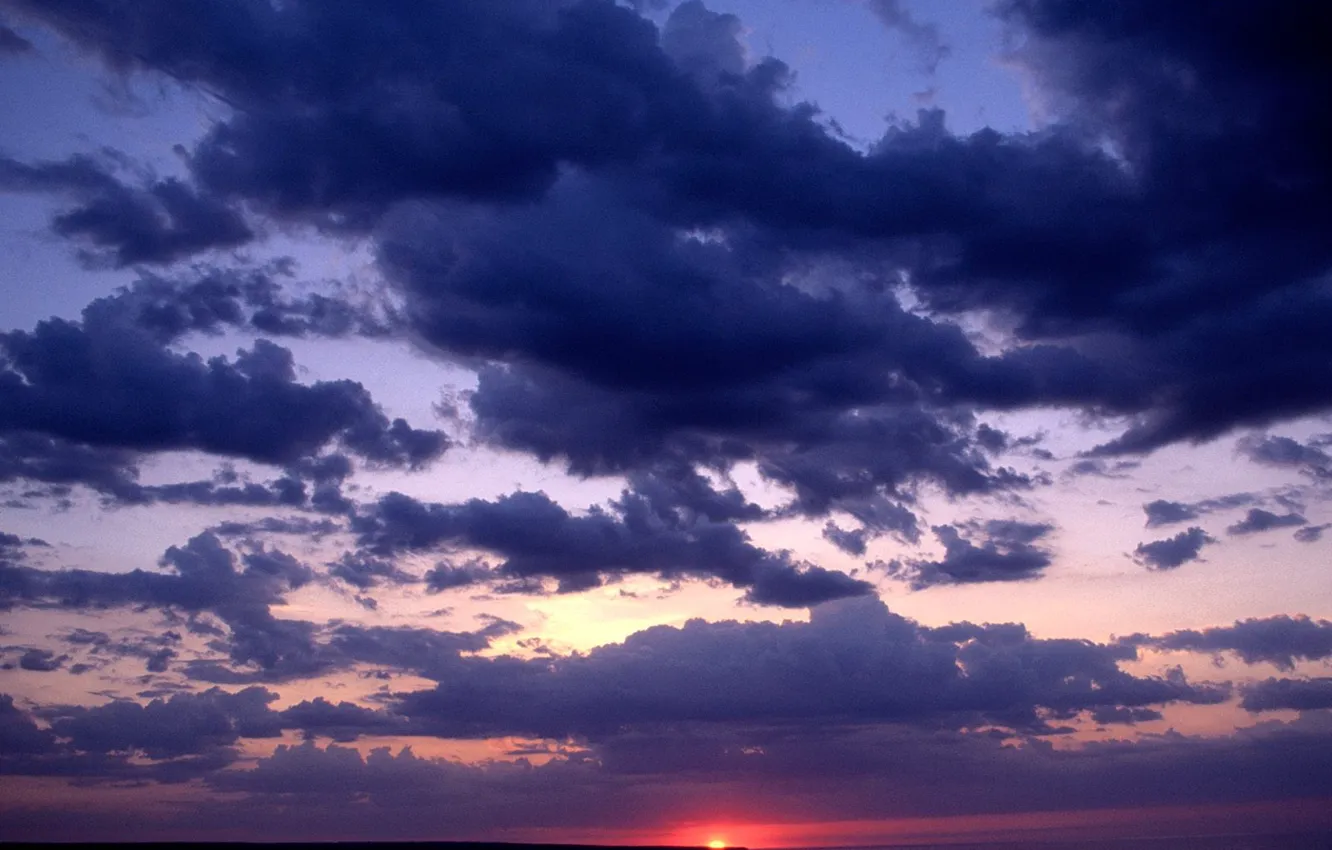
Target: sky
(788, 423)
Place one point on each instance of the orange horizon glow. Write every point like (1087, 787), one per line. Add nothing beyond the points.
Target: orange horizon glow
(1154, 821)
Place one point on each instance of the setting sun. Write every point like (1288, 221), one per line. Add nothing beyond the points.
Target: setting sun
(717, 844)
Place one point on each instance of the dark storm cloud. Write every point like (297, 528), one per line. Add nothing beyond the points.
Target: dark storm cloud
(422, 99)
(1172, 552)
(158, 222)
(1291, 694)
(1178, 103)
(1280, 640)
(1184, 107)
(712, 361)
(537, 538)
(1169, 218)
(854, 662)
(597, 23)
(101, 383)
(482, 102)
(1007, 551)
(1257, 520)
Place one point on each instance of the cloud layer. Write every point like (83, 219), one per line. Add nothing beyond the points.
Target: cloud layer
(652, 268)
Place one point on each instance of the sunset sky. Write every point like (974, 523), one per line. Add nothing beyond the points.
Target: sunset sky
(773, 422)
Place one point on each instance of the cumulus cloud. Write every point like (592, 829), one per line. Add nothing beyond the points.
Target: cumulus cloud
(1008, 551)
(740, 369)
(1289, 694)
(41, 660)
(1101, 468)
(853, 662)
(1279, 640)
(35, 458)
(1312, 533)
(536, 538)
(1173, 552)
(298, 525)
(212, 299)
(101, 384)
(240, 589)
(1125, 715)
(1164, 512)
(677, 129)
(184, 724)
(742, 675)
(341, 721)
(19, 734)
(1257, 520)
(364, 571)
(704, 43)
(159, 222)
(1285, 452)
(156, 651)
(662, 266)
